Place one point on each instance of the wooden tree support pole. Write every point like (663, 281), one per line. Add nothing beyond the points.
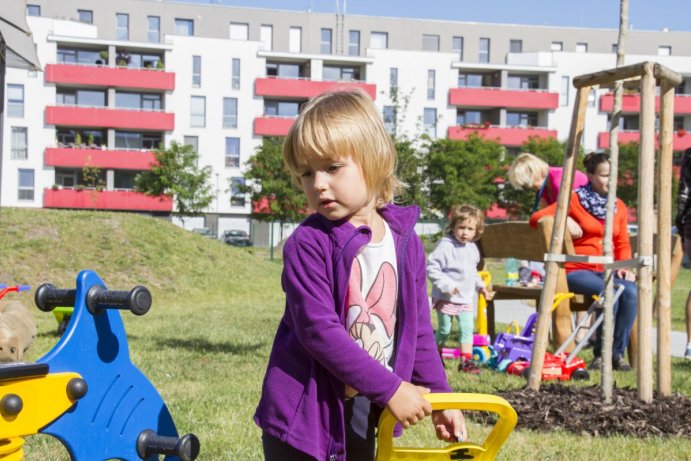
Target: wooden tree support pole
(556, 245)
(664, 231)
(646, 223)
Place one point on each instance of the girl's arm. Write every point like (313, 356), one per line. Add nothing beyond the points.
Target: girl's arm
(435, 265)
(620, 240)
(428, 370)
(312, 316)
(538, 215)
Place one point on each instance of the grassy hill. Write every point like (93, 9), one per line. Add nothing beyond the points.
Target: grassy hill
(206, 341)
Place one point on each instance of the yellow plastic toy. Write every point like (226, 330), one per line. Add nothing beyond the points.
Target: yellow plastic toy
(29, 403)
(460, 450)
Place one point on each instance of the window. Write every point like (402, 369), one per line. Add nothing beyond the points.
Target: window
(84, 98)
(581, 47)
(470, 80)
(26, 185)
(457, 47)
(353, 43)
(15, 100)
(393, 79)
(266, 36)
(122, 26)
(230, 113)
(20, 143)
(196, 71)
(284, 70)
(523, 82)
(295, 39)
(484, 50)
(281, 108)
(335, 73)
(430, 121)
(592, 98)
(664, 51)
(66, 178)
(232, 152)
(522, 119)
(134, 140)
(430, 42)
(237, 197)
(153, 29)
(124, 179)
(431, 78)
(239, 31)
(184, 27)
(198, 111)
(615, 48)
(192, 141)
(137, 101)
(86, 16)
(516, 46)
(389, 115)
(235, 75)
(379, 40)
(33, 10)
(564, 93)
(469, 117)
(325, 45)
(556, 46)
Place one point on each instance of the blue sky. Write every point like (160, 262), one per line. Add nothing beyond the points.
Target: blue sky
(643, 14)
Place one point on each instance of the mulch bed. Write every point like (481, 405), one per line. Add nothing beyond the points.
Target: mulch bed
(582, 411)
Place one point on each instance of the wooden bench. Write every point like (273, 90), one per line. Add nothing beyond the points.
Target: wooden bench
(516, 239)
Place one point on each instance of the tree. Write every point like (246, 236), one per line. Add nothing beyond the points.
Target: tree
(270, 186)
(462, 172)
(410, 171)
(175, 173)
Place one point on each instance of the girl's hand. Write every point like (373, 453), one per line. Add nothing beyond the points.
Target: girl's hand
(484, 293)
(449, 425)
(408, 405)
(626, 275)
(574, 229)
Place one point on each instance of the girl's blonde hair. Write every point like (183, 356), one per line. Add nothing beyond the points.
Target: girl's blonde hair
(345, 123)
(461, 213)
(527, 170)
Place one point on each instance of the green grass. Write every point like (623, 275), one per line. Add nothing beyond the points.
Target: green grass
(205, 343)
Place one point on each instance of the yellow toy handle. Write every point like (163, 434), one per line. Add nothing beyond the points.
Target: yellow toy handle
(480, 402)
(559, 297)
(481, 322)
(12, 449)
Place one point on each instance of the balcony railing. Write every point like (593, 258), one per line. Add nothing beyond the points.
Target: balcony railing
(681, 139)
(115, 77)
(503, 97)
(272, 125)
(103, 117)
(631, 103)
(105, 200)
(300, 88)
(507, 136)
(116, 159)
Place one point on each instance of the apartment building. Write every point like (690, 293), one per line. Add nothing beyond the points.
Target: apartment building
(120, 78)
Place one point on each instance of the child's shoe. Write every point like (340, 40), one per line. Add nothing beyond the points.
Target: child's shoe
(468, 366)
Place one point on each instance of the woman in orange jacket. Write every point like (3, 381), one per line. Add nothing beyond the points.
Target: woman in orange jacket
(587, 208)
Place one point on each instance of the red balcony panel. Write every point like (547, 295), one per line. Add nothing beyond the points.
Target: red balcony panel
(304, 88)
(507, 136)
(115, 159)
(117, 77)
(631, 103)
(497, 97)
(105, 200)
(272, 126)
(681, 140)
(109, 118)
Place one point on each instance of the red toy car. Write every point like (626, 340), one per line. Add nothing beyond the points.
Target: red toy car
(555, 367)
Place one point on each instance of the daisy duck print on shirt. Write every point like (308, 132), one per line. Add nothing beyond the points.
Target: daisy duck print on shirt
(371, 299)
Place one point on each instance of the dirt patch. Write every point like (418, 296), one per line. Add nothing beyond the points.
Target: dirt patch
(581, 410)
(35, 233)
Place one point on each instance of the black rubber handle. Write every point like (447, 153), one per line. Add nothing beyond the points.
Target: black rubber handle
(48, 297)
(137, 300)
(150, 443)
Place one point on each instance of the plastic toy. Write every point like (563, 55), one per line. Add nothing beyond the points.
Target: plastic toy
(458, 450)
(86, 392)
(556, 366)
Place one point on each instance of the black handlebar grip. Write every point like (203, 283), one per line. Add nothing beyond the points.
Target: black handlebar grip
(48, 297)
(150, 443)
(137, 300)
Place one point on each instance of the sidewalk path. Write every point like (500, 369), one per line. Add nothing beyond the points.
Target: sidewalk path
(508, 310)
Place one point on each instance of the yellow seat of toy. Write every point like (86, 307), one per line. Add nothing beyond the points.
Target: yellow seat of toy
(461, 450)
(12, 449)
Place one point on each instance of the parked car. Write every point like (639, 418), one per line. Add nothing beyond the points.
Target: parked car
(236, 237)
(204, 232)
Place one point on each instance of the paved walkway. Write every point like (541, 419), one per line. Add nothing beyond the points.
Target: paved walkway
(506, 311)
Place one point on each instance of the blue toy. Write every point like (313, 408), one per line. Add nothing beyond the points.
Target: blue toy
(115, 411)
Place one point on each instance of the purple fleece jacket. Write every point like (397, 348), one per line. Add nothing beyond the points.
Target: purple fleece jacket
(313, 355)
